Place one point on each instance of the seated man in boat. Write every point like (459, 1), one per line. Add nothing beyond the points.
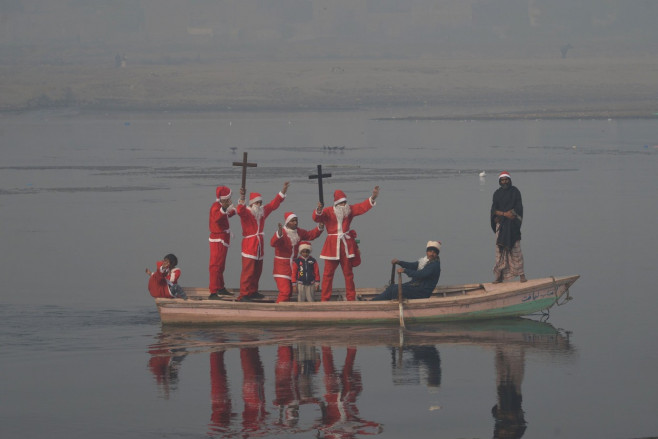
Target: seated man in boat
(163, 282)
(424, 274)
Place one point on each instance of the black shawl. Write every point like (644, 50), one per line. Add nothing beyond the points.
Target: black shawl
(510, 229)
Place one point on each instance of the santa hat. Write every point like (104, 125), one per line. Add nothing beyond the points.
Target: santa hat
(222, 193)
(288, 216)
(305, 245)
(254, 197)
(503, 175)
(434, 245)
(339, 197)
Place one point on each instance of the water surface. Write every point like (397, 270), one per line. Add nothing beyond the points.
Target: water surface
(88, 201)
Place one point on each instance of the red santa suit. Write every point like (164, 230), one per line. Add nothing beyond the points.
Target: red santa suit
(253, 242)
(286, 248)
(253, 390)
(158, 286)
(220, 238)
(340, 246)
(220, 419)
(341, 415)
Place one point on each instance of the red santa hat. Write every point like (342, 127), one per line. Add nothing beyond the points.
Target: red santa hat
(254, 197)
(222, 193)
(305, 245)
(339, 197)
(288, 216)
(503, 175)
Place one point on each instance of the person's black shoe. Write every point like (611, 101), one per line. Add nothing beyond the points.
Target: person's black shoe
(257, 296)
(224, 292)
(214, 296)
(244, 299)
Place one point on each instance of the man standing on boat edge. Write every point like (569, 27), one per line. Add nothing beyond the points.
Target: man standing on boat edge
(340, 247)
(506, 217)
(286, 242)
(220, 240)
(252, 219)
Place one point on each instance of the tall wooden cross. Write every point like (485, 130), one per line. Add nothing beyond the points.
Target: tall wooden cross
(244, 165)
(319, 176)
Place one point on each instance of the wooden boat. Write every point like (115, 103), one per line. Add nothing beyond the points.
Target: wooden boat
(447, 303)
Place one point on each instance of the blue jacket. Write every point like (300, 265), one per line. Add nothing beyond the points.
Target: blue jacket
(423, 281)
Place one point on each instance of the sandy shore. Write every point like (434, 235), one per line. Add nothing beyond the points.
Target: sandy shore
(426, 88)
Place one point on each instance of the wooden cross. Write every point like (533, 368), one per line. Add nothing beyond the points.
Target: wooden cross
(319, 176)
(244, 165)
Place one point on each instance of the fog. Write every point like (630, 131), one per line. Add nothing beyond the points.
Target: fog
(62, 32)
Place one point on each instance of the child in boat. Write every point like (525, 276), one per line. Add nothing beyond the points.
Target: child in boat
(305, 274)
(163, 282)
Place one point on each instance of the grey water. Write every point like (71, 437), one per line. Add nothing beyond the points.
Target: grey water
(88, 201)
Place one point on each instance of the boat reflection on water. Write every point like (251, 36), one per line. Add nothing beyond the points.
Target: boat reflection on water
(314, 384)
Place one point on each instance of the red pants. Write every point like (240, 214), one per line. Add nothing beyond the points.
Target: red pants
(220, 416)
(330, 266)
(217, 265)
(253, 389)
(251, 271)
(285, 289)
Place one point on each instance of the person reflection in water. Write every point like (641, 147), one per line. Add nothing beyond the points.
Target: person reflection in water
(405, 369)
(254, 414)
(509, 416)
(164, 364)
(220, 418)
(287, 398)
(340, 416)
(293, 382)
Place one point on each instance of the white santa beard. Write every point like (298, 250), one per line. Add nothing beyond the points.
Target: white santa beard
(293, 236)
(256, 211)
(341, 213)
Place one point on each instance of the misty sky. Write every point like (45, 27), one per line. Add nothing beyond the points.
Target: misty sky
(326, 28)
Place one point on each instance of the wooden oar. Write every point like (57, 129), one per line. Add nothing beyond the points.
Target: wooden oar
(400, 300)
(392, 274)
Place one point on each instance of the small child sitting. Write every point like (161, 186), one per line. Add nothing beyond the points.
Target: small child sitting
(163, 282)
(305, 274)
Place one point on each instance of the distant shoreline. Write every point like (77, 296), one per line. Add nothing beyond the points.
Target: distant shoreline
(427, 89)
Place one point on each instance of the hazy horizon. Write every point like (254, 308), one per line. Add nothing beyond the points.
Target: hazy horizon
(181, 31)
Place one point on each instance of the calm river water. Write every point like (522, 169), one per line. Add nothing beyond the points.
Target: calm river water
(87, 202)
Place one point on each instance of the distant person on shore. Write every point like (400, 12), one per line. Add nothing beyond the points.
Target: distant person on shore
(424, 274)
(340, 247)
(286, 241)
(220, 240)
(163, 282)
(252, 219)
(305, 274)
(506, 217)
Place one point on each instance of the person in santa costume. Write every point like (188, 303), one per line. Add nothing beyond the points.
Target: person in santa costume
(252, 219)
(286, 244)
(220, 240)
(340, 246)
(163, 282)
